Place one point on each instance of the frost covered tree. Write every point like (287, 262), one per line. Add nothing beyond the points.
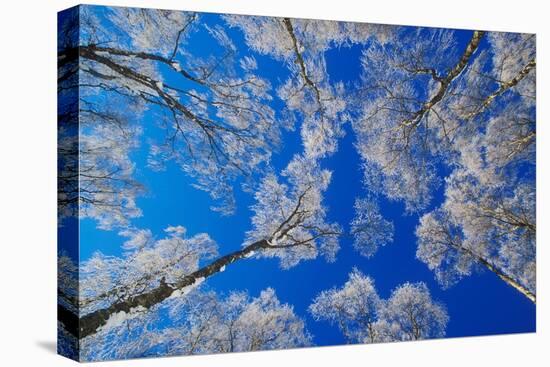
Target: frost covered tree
(363, 317)
(213, 110)
(192, 322)
(291, 216)
(301, 45)
(411, 314)
(472, 112)
(353, 308)
(428, 104)
(369, 228)
(233, 140)
(288, 223)
(107, 187)
(148, 263)
(425, 100)
(482, 226)
(95, 173)
(202, 322)
(67, 125)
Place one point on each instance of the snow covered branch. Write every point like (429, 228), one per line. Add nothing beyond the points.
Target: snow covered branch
(363, 317)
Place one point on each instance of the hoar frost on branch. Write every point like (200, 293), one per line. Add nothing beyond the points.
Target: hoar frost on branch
(146, 264)
(363, 317)
(301, 45)
(289, 223)
(424, 104)
(202, 322)
(292, 218)
(411, 314)
(67, 282)
(107, 187)
(369, 228)
(493, 105)
(482, 226)
(488, 218)
(95, 173)
(217, 122)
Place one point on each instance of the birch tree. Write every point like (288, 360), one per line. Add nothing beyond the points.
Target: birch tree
(482, 227)
(301, 44)
(411, 314)
(291, 216)
(122, 288)
(425, 100)
(363, 317)
(353, 308)
(216, 118)
(289, 223)
(426, 107)
(203, 322)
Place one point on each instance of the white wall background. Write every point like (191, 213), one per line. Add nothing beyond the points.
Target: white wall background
(28, 182)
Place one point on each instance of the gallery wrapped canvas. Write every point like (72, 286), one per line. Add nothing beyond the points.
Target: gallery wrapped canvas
(232, 183)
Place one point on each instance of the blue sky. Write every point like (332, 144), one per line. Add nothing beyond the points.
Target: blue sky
(478, 305)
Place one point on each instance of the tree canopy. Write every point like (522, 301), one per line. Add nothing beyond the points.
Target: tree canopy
(430, 142)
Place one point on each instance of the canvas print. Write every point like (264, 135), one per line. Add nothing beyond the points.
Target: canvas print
(234, 183)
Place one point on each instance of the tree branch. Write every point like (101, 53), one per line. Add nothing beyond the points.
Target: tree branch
(504, 86)
(445, 82)
(90, 324)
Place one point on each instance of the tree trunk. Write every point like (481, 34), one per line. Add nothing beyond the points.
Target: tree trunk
(503, 88)
(509, 280)
(90, 323)
(446, 81)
